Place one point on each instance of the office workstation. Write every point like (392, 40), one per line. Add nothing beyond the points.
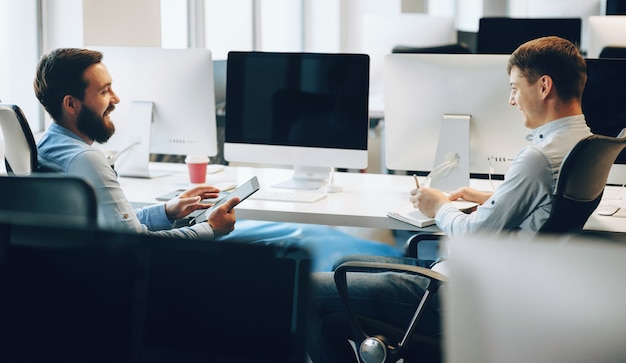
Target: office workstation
(352, 128)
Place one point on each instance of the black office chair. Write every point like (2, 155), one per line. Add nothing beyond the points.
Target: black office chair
(613, 52)
(20, 150)
(579, 188)
(48, 199)
(454, 48)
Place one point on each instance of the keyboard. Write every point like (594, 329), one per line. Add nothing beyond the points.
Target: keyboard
(288, 196)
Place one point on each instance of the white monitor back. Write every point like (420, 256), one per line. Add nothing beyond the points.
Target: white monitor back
(381, 32)
(179, 83)
(421, 88)
(540, 301)
(606, 31)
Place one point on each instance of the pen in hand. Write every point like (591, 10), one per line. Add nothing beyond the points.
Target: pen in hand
(417, 183)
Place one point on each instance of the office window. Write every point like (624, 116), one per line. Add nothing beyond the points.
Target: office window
(228, 26)
(246, 25)
(19, 53)
(174, 24)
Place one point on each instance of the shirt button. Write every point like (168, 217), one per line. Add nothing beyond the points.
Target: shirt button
(125, 216)
(541, 136)
(493, 202)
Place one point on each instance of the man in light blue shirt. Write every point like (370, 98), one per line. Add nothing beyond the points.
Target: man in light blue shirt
(75, 88)
(547, 77)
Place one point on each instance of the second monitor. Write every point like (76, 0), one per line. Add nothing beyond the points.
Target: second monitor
(423, 88)
(305, 110)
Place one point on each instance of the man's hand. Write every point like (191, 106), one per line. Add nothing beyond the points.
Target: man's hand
(428, 200)
(222, 219)
(471, 195)
(189, 201)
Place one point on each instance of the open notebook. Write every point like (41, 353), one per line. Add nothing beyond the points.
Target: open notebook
(413, 216)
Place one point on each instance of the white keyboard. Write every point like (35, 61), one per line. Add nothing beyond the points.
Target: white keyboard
(288, 196)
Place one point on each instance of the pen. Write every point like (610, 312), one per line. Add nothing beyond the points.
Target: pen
(417, 183)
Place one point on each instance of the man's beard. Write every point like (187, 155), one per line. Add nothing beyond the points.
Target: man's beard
(95, 126)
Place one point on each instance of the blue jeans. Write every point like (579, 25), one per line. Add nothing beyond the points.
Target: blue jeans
(326, 245)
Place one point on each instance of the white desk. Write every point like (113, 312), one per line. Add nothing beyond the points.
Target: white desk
(364, 201)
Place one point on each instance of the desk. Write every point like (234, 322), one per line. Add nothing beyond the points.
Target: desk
(364, 201)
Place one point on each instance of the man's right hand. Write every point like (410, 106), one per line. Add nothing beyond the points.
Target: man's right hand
(222, 219)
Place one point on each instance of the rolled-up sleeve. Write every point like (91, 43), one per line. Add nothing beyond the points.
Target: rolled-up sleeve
(523, 200)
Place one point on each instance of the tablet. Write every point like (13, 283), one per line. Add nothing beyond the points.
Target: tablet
(243, 191)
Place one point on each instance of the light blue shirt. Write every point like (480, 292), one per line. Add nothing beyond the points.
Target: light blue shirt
(62, 151)
(524, 199)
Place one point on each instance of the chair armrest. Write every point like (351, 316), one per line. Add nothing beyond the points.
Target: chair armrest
(340, 275)
(362, 266)
(411, 246)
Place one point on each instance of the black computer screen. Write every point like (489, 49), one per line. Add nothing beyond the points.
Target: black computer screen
(615, 7)
(502, 35)
(298, 99)
(604, 98)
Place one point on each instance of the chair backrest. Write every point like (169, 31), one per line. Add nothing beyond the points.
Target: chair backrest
(454, 48)
(583, 175)
(613, 52)
(48, 198)
(20, 150)
(85, 295)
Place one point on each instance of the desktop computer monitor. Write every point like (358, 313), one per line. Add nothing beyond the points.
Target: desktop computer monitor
(167, 105)
(604, 107)
(502, 35)
(615, 7)
(306, 110)
(606, 31)
(423, 88)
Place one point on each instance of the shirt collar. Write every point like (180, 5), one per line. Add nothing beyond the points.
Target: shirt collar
(545, 132)
(58, 129)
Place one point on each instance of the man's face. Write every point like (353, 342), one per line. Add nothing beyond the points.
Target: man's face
(93, 119)
(527, 98)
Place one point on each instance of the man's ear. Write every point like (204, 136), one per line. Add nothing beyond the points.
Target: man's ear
(547, 86)
(71, 105)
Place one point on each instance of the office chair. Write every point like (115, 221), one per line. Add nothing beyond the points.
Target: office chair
(48, 199)
(613, 52)
(455, 48)
(20, 150)
(579, 188)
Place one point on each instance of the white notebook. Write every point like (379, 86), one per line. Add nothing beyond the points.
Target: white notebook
(413, 216)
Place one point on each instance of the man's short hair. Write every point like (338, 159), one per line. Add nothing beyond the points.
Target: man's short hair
(60, 73)
(555, 57)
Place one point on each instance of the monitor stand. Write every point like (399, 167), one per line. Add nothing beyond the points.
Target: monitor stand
(453, 151)
(134, 160)
(306, 177)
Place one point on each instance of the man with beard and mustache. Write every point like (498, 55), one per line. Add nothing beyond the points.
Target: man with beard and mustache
(74, 86)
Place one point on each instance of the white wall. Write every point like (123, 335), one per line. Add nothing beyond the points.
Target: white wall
(122, 22)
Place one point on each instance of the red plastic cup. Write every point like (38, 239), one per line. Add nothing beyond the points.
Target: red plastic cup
(197, 165)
